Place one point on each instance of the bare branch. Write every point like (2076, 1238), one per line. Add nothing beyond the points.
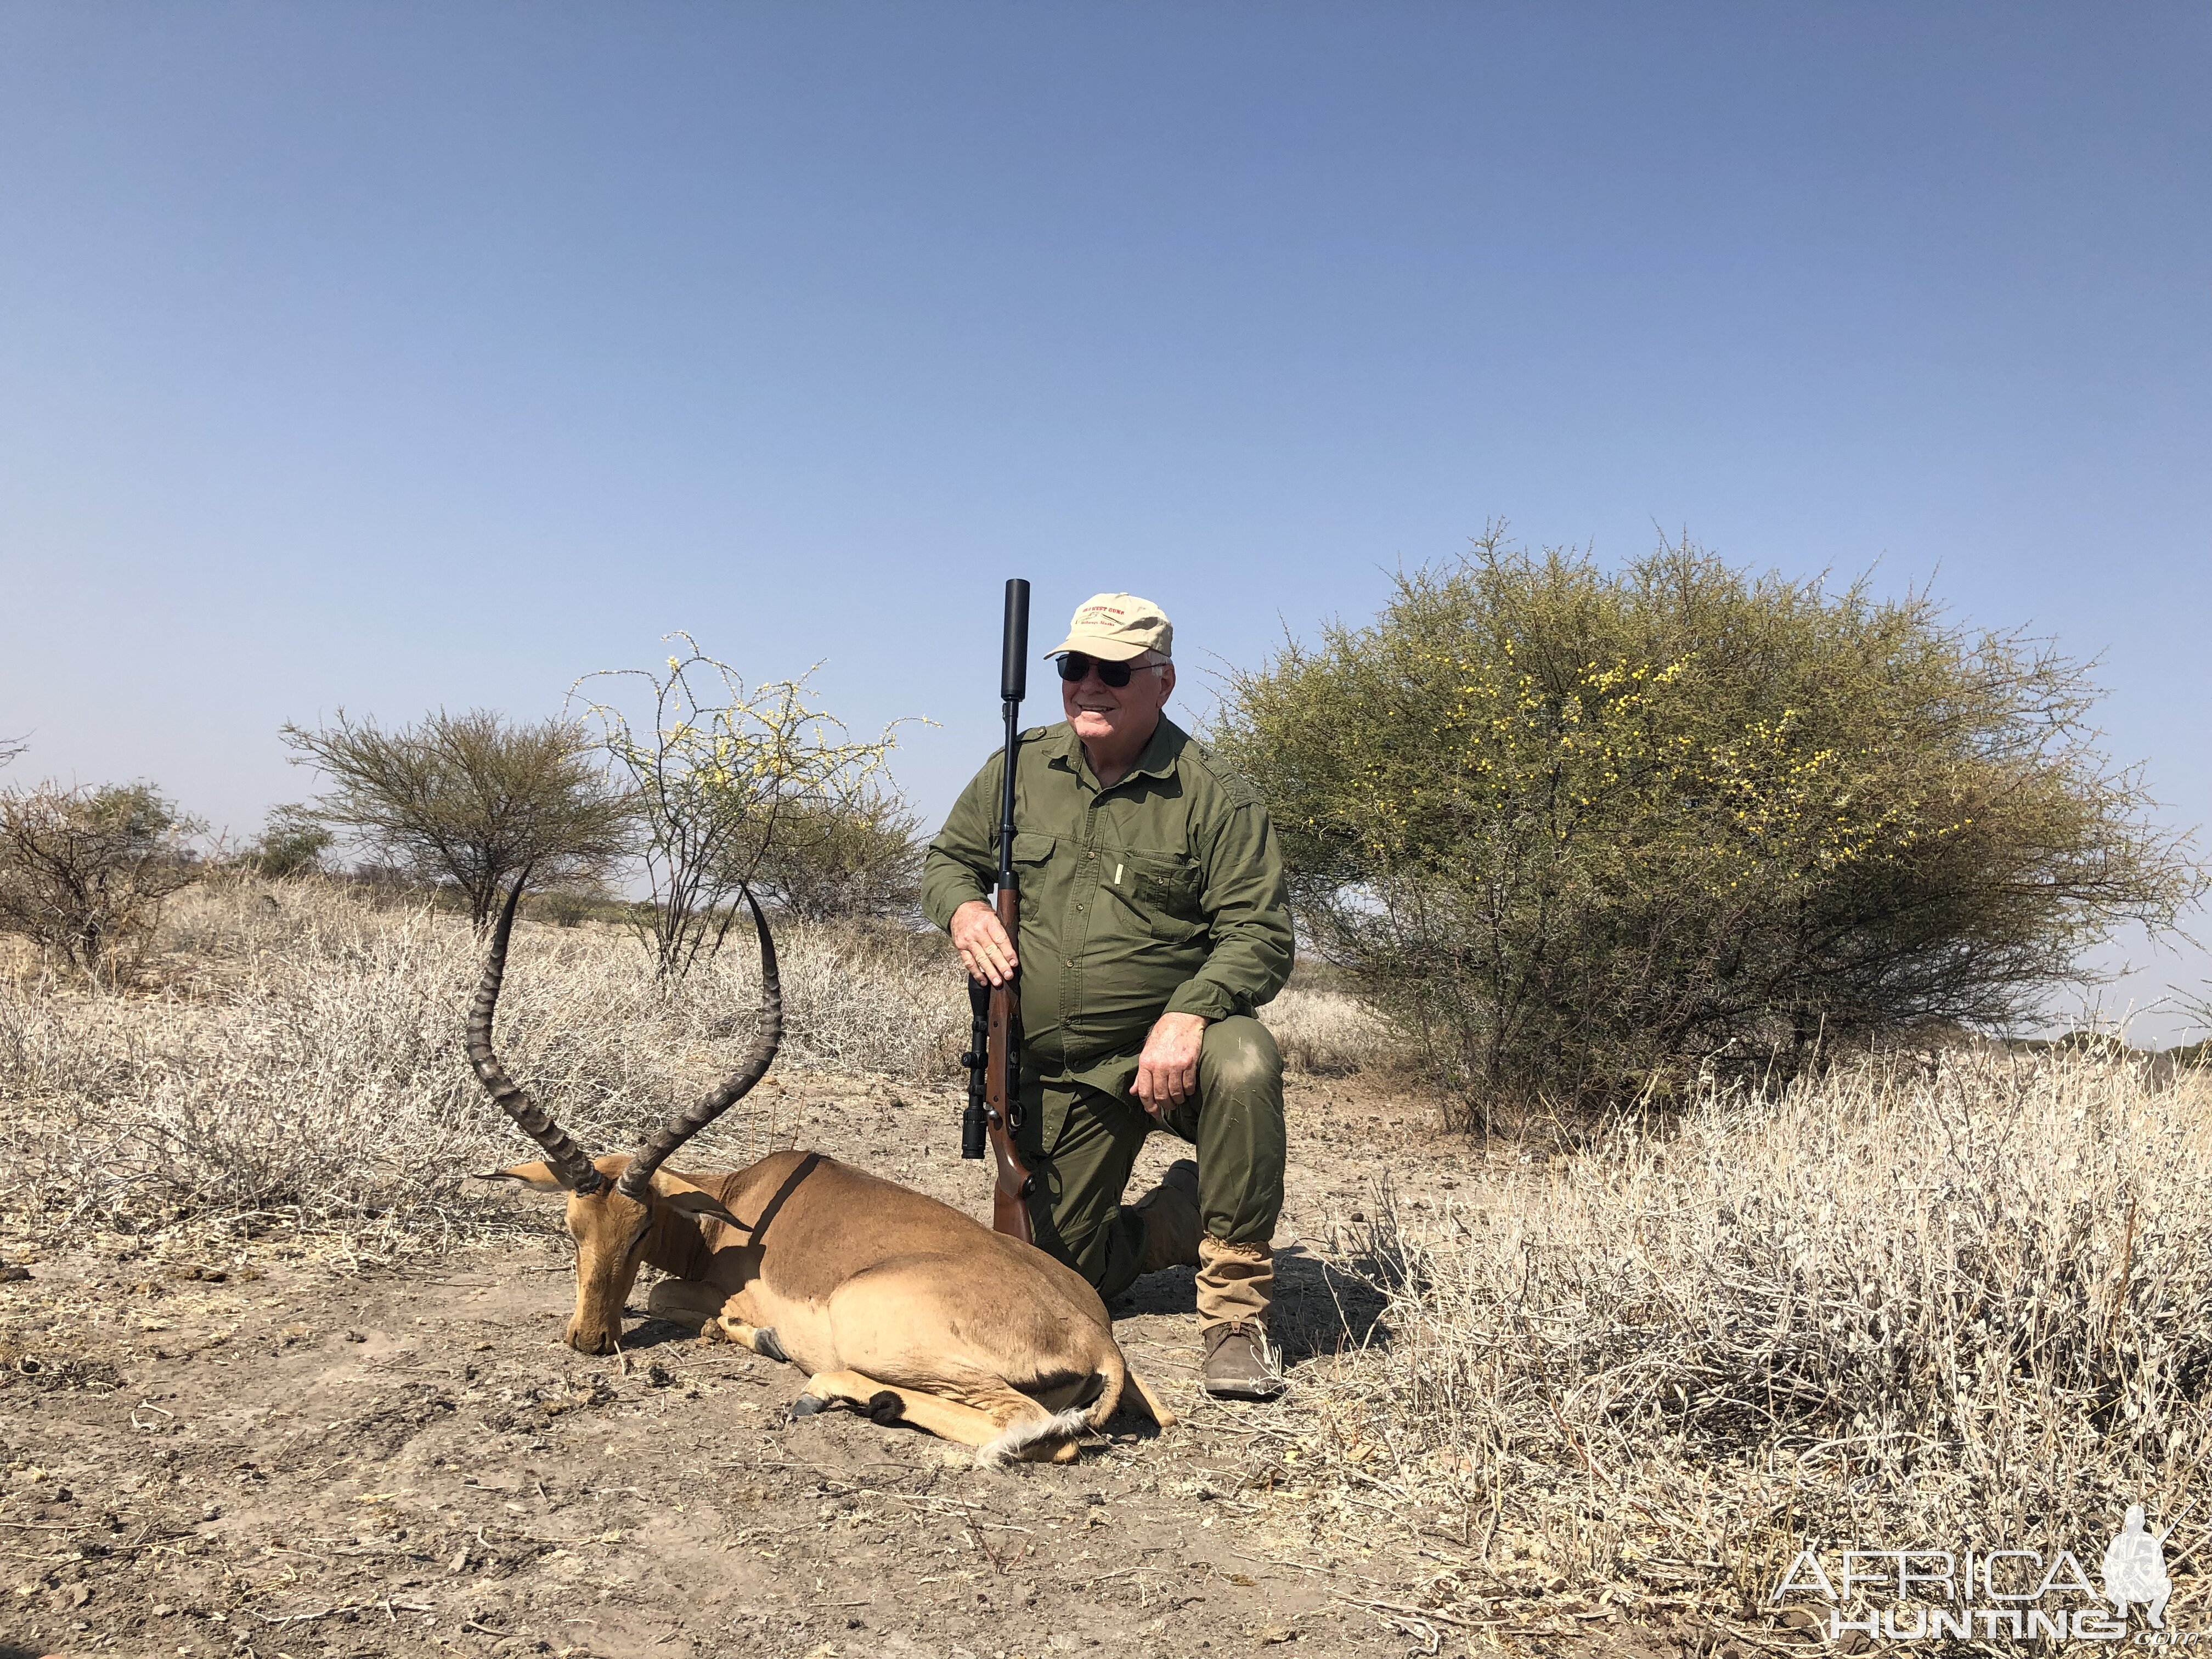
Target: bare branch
(719, 774)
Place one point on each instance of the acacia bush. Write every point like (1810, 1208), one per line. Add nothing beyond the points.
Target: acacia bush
(1587, 833)
(466, 802)
(83, 871)
(292, 842)
(717, 771)
(845, 860)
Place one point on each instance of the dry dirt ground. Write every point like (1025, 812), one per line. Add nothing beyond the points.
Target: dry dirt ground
(261, 1450)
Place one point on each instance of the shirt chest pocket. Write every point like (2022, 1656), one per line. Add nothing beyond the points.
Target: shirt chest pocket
(1161, 891)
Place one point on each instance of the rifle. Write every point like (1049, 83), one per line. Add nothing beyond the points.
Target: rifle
(995, 1041)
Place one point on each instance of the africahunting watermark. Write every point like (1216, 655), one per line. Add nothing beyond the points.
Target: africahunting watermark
(1934, 1594)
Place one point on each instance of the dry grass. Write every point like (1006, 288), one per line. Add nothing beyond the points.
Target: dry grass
(301, 1059)
(1888, 1312)
(1329, 1034)
(294, 1051)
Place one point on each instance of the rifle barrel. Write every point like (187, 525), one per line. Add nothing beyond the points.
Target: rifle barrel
(1013, 685)
(1014, 666)
(995, 1011)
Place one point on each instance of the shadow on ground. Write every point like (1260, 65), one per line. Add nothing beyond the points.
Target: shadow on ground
(1322, 1309)
(654, 1333)
(1319, 1309)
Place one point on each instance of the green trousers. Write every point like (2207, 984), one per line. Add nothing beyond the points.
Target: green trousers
(1081, 1143)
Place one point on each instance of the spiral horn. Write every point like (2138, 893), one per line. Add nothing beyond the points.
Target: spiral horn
(567, 1159)
(637, 1180)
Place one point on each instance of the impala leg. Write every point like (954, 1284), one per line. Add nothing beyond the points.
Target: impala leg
(761, 1338)
(1154, 1407)
(948, 1420)
(1003, 1427)
(685, 1302)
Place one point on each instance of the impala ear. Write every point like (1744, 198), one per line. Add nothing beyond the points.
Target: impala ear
(538, 1177)
(681, 1195)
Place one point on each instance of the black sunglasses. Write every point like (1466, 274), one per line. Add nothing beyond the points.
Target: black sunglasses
(1074, 666)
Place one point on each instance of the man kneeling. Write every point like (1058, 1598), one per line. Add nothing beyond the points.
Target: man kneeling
(1154, 920)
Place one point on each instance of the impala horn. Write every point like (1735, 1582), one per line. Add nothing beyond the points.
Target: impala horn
(637, 1180)
(566, 1158)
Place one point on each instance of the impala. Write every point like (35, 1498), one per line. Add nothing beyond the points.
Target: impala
(894, 1304)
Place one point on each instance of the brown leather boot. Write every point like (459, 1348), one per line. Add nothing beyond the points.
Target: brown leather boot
(1236, 1284)
(1171, 1222)
(1241, 1364)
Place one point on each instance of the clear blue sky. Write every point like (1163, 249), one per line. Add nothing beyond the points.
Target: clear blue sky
(391, 355)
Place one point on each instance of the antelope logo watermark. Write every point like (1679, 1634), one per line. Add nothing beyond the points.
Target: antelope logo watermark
(1935, 1595)
(2135, 1568)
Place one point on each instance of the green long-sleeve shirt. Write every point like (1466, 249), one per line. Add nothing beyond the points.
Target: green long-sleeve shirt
(1164, 894)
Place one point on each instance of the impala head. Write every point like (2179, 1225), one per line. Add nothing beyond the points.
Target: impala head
(611, 1229)
(616, 1204)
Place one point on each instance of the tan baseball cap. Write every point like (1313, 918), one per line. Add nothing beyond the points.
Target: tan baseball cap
(1117, 627)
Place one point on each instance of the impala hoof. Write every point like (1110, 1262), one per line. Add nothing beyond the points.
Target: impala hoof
(766, 1346)
(806, 1404)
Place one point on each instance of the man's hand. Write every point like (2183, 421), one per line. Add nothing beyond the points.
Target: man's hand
(1167, 1071)
(983, 944)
